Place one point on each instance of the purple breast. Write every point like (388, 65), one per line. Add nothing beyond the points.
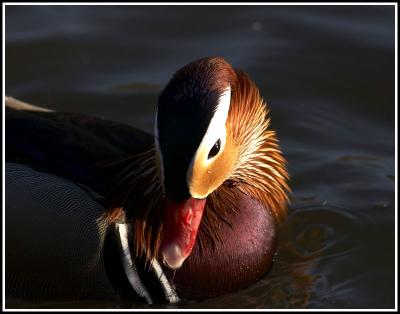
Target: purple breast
(243, 256)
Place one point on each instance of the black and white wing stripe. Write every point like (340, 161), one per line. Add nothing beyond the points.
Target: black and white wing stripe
(149, 283)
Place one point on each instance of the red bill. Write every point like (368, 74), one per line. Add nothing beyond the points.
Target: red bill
(180, 230)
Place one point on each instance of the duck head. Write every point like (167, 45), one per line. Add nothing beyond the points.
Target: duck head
(211, 135)
(193, 155)
(213, 149)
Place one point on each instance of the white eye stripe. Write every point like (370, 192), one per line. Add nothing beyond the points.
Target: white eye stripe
(216, 131)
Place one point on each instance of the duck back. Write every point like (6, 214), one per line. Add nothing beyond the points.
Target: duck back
(72, 145)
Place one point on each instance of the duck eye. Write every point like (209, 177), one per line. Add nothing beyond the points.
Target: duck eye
(215, 149)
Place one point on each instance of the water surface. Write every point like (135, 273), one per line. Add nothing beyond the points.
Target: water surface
(327, 73)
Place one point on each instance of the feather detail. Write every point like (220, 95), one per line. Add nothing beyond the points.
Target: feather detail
(136, 189)
(260, 166)
(259, 171)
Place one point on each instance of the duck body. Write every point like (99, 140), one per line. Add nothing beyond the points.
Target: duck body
(71, 145)
(231, 264)
(190, 213)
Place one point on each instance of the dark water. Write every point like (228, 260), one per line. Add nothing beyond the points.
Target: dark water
(327, 73)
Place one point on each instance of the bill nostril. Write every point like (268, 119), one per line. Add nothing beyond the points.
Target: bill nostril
(188, 217)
